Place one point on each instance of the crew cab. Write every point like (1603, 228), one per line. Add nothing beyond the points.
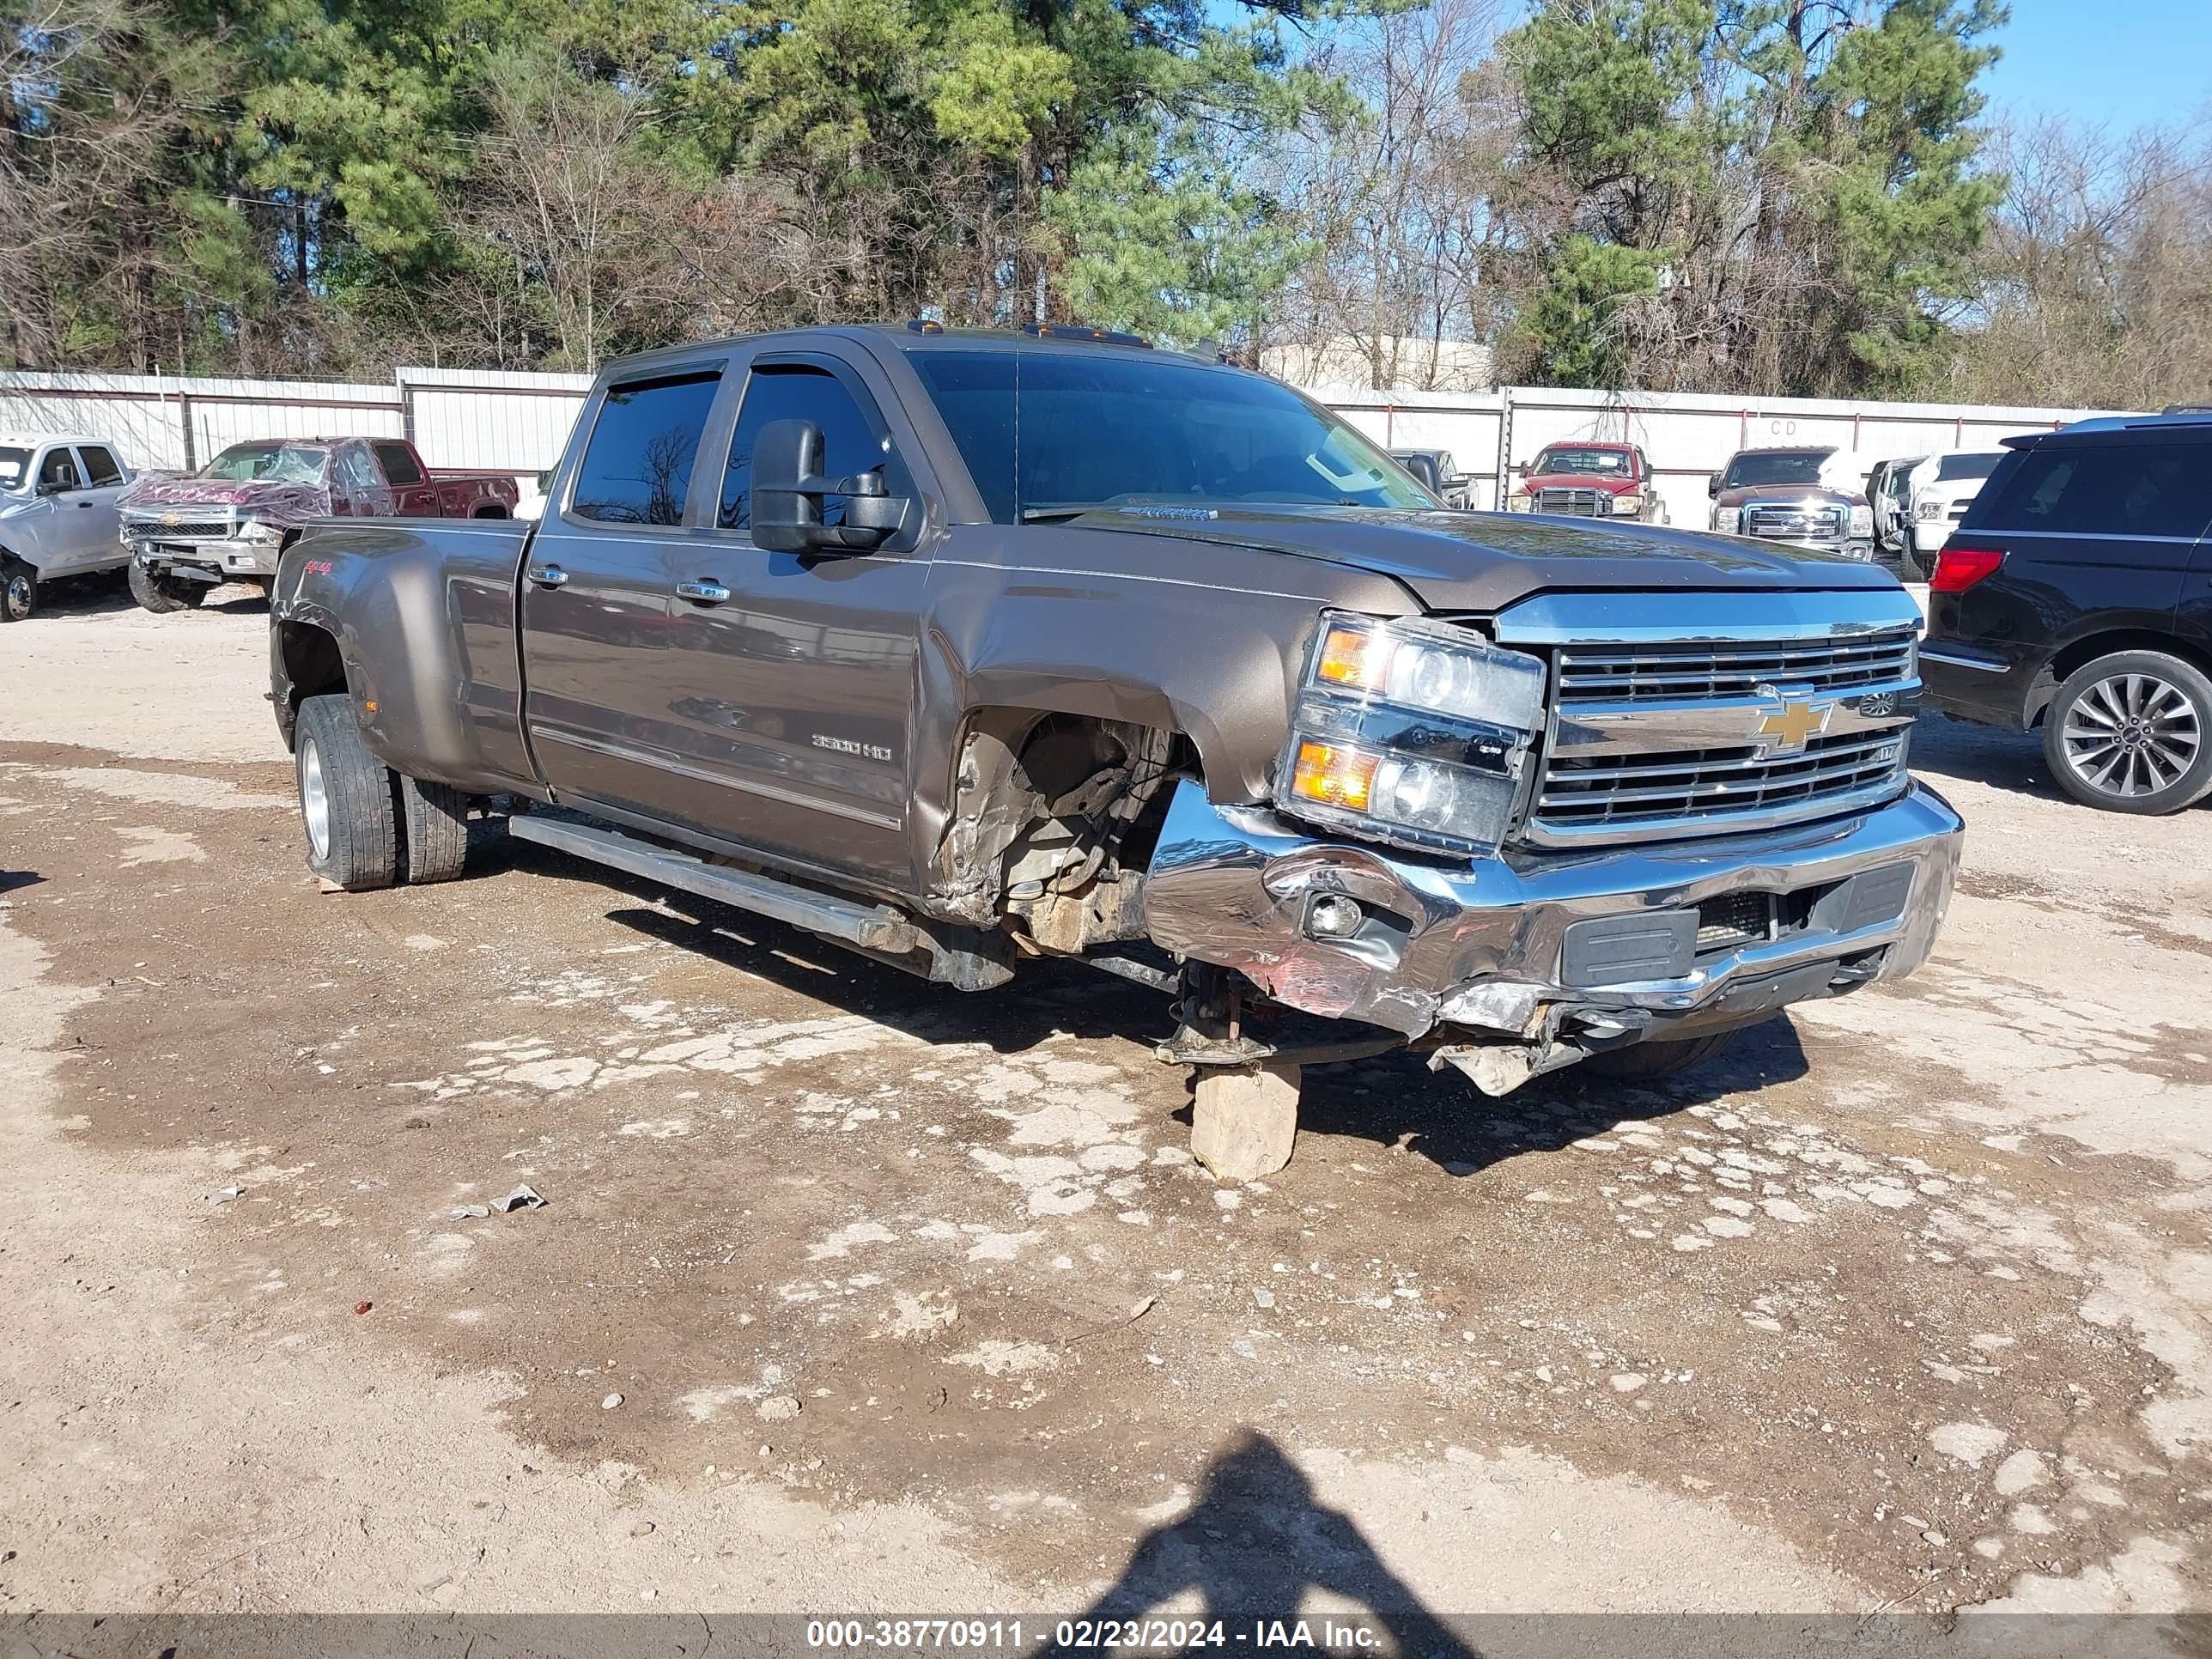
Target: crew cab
(1590, 480)
(58, 494)
(228, 521)
(2076, 596)
(965, 649)
(1805, 496)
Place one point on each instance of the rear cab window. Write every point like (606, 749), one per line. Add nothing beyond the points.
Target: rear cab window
(2130, 488)
(636, 468)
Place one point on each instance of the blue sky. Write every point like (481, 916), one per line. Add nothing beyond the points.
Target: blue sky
(2122, 63)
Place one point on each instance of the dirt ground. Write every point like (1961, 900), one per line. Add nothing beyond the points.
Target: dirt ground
(851, 1293)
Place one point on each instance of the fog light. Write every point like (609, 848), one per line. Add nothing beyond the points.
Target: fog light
(1334, 916)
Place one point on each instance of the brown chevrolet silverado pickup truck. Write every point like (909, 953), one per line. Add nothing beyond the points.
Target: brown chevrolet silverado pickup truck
(229, 520)
(964, 649)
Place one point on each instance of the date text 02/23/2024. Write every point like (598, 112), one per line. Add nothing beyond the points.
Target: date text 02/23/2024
(1088, 1634)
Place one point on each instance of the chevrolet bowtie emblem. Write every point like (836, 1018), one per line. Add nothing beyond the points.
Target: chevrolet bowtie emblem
(1785, 732)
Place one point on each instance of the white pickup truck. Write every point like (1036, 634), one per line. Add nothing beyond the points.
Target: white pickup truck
(58, 516)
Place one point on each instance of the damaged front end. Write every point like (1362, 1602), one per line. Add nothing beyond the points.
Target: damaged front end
(1595, 820)
(1510, 965)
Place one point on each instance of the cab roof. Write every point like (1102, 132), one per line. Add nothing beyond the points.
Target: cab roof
(1069, 338)
(33, 439)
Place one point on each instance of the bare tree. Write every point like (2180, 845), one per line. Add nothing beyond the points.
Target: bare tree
(1397, 201)
(2097, 282)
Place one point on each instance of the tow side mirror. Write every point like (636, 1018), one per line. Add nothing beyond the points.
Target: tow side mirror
(1713, 486)
(788, 491)
(52, 487)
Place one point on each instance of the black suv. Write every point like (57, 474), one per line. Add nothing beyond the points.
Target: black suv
(2077, 593)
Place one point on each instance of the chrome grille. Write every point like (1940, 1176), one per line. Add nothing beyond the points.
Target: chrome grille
(1694, 788)
(1808, 521)
(1655, 672)
(1575, 503)
(154, 529)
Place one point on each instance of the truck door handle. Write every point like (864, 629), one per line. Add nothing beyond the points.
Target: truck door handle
(706, 593)
(547, 576)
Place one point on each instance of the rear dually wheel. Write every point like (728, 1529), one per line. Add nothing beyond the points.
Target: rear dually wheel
(346, 797)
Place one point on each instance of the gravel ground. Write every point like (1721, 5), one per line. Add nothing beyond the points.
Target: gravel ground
(851, 1292)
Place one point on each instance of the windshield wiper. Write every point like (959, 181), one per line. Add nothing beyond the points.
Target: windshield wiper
(1061, 510)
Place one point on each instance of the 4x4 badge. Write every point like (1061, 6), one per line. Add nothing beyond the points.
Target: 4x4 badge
(1794, 721)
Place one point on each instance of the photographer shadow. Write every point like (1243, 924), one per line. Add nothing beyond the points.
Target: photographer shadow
(1256, 1541)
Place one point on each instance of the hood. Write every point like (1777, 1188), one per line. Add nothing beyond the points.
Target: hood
(1791, 492)
(1613, 484)
(287, 502)
(1483, 562)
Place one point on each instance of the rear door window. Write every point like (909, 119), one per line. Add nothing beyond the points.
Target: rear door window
(637, 467)
(2108, 489)
(398, 464)
(100, 465)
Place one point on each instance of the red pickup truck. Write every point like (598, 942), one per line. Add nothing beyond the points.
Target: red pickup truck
(229, 520)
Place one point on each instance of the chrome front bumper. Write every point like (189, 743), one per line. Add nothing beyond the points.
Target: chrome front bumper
(1481, 943)
(234, 557)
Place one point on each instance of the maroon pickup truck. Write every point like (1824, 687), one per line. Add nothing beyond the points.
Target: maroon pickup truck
(229, 520)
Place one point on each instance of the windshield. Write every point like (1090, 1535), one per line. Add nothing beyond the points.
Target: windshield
(14, 466)
(1045, 432)
(299, 463)
(1967, 466)
(1801, 466)
(1608, 463)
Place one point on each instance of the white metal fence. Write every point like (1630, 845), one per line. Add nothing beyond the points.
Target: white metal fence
(1494, 436)
(464, 419)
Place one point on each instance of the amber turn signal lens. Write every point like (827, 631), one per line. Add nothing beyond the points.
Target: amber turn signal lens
(1352, 656)
(1333, 776)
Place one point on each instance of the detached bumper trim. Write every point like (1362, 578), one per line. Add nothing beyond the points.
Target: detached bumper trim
(1483, 941)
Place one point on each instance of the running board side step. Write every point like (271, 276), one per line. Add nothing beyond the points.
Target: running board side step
(874, 930)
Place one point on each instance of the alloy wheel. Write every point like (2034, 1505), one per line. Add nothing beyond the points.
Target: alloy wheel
(315, 798)
(19, 596)
(2132, 734)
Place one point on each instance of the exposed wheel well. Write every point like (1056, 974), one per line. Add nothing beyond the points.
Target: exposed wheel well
(2084, 652)
(1051, 807)
(311, 665)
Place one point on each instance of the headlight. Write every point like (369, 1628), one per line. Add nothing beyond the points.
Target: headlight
(1411, 731)
(258, 530)
(1518, 503)
(1862, 522)
(1627, 505)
